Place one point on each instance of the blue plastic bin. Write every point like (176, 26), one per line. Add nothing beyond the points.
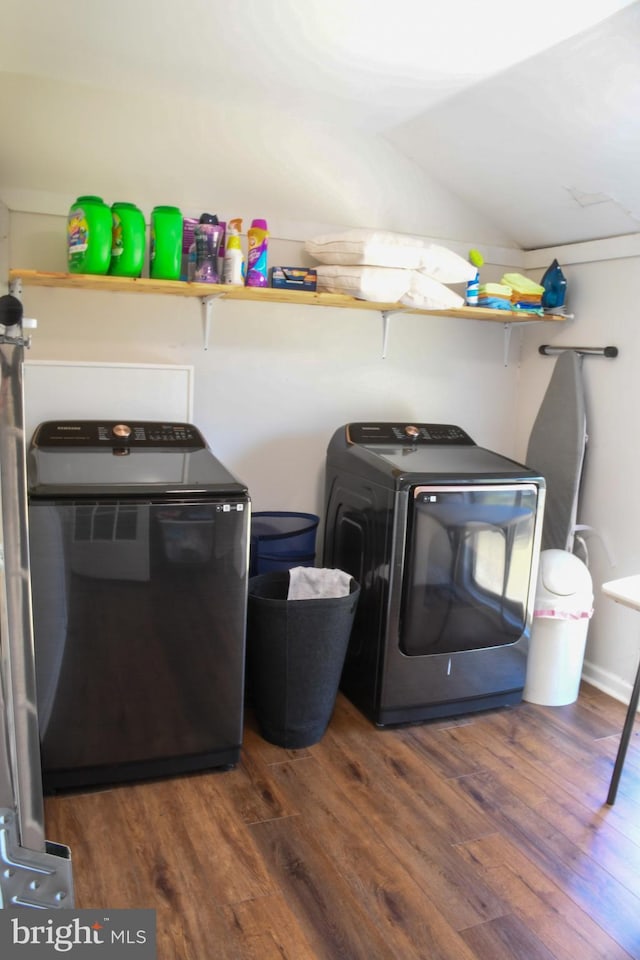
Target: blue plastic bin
(282, 540)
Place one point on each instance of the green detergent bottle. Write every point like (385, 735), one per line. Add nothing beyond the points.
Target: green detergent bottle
(89, 230)
(128, 237)
(166, 243)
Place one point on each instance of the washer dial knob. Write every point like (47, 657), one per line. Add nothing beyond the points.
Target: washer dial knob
(122, 431)
(412, 431)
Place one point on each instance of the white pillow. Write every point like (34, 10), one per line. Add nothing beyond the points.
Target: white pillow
(380, 248)
(445, 265)
(380, 284)
(376, 248)
(425, 293)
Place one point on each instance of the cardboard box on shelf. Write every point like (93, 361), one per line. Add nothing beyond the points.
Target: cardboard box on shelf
(293, 278)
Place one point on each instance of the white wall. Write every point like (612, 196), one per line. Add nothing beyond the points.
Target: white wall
(233, 159)
(277, 379)
(602, 295)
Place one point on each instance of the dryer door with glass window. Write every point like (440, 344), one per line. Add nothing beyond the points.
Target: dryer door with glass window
(469, 556)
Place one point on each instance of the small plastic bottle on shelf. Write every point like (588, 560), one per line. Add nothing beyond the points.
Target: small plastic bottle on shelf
(473, 286)
(473, 289)
(233, 256)
(257, 235)
(207, 236)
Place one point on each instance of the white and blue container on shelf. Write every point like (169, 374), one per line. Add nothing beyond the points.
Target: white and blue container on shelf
(281, 540)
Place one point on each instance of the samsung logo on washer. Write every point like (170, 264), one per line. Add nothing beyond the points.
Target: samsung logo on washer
(120, 933)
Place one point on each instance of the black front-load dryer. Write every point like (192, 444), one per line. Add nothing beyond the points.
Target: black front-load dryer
(443, 537)
(139, 557)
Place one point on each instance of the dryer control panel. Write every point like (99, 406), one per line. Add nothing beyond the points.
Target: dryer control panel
(84, 434)
(372, 434)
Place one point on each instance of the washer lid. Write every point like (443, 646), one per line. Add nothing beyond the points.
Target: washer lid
(80, 458)
(443, 460)
(406, 452)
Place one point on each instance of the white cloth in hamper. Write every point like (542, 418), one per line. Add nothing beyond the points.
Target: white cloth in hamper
(315, 583)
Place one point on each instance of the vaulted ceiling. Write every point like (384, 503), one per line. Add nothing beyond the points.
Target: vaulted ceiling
(530, 115)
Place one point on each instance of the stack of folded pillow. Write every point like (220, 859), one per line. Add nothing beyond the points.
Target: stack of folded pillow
(387, 267)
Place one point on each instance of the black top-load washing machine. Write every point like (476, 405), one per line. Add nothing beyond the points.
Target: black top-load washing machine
(139, 546)
(443, 537)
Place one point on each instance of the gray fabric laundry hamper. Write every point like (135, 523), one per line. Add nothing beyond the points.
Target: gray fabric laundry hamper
(295, 654)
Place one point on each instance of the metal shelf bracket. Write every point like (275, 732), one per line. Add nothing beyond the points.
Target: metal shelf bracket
(508, 327)
(386, 314)
(506, 343)
(207, 309)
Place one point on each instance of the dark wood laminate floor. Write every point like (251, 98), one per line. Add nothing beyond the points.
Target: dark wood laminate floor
(481, 838)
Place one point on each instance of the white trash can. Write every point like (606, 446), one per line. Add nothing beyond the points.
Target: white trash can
(563, 608)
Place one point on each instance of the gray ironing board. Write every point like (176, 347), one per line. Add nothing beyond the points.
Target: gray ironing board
(557, 448)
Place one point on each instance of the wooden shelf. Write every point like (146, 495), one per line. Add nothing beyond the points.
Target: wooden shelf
(209, 293)
(177, 288)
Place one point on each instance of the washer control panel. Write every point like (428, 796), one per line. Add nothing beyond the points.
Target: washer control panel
(372, 434)
(81, 434)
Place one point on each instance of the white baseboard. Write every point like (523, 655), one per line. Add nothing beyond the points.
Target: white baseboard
(608, 682)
